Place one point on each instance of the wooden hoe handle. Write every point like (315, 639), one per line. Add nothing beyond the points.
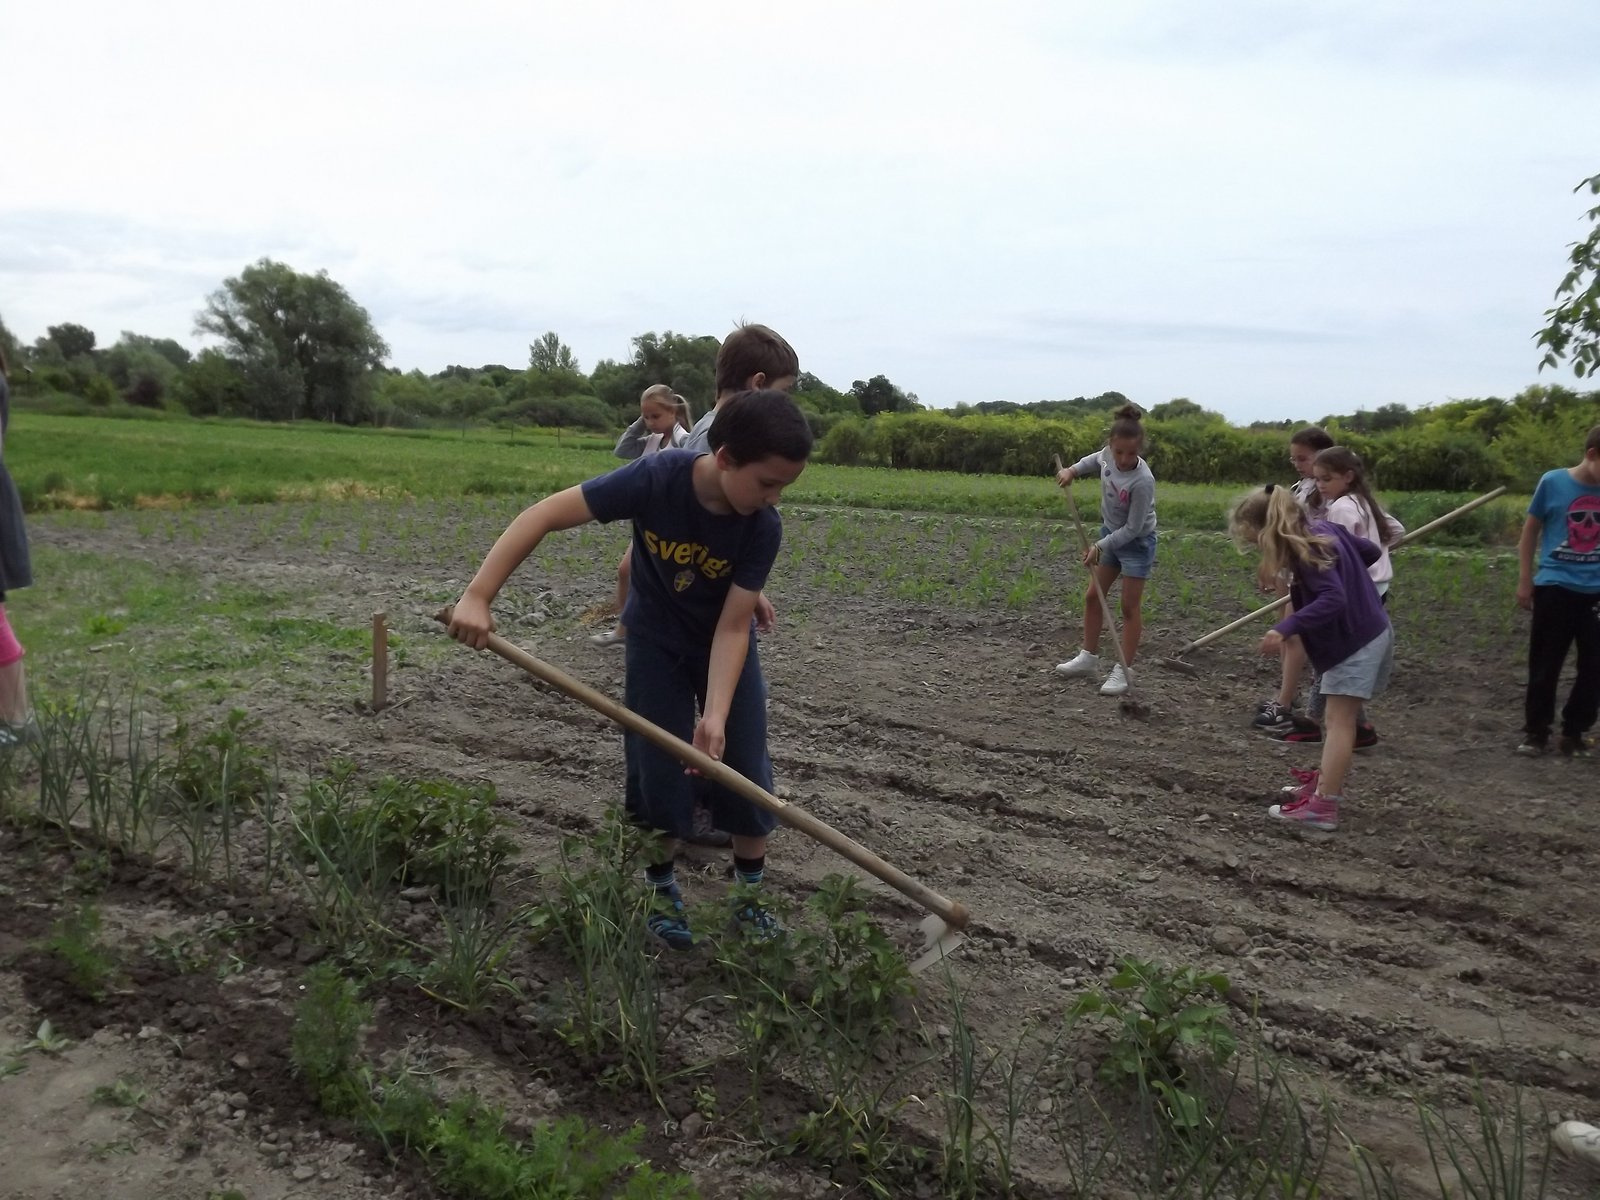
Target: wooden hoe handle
(721, 773)
(1414, 535)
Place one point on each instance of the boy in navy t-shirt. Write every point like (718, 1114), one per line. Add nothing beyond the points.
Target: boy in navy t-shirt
(705, 536)
(1563, 531)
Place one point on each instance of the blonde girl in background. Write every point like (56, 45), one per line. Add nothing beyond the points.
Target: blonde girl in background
(663, 423)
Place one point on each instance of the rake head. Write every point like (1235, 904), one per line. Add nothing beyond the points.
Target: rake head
(939, 938)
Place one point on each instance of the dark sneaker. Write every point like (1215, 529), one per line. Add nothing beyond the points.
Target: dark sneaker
(705, 833)
(669, 924)
(757, 923)
(1304, 733)
(1366, 737)
(1575, 747)
(1273, 717)
(1534, 744)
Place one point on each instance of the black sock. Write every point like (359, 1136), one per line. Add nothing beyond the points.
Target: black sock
(662, 876)
(749, 870)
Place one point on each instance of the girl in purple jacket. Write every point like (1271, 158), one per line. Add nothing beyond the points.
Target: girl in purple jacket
(1341, 623)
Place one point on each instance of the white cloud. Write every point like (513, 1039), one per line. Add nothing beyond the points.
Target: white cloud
(1249, 203)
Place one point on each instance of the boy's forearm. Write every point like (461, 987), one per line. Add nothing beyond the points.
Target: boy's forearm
(729, 646)
(564, 510)
(1526, 545)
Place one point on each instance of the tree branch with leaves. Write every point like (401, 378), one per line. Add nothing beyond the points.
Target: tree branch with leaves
(1572, 329)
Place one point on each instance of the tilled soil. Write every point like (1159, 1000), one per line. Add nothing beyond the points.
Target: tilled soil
(1443, 934)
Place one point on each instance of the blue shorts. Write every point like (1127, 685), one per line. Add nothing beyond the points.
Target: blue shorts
(668, 687)
(1136, 559)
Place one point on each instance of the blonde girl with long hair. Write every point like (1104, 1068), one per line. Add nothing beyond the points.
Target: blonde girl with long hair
(1340, 621)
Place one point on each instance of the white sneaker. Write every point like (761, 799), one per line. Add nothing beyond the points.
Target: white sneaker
(1084, 664)
(609, 638)
(1116, 683)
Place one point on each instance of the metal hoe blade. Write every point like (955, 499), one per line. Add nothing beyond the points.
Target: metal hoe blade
(941, 939)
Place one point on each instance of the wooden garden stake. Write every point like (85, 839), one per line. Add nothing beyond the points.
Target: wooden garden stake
(380, 662)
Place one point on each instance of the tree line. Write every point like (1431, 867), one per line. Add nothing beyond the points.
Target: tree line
(292, 346)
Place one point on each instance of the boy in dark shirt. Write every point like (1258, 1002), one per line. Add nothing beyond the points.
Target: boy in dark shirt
(705, 536)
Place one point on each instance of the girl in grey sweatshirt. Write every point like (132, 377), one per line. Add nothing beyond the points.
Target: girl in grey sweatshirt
(1126, 546)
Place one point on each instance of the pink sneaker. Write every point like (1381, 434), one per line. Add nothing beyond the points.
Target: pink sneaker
(1314, 811)
(1305, 782)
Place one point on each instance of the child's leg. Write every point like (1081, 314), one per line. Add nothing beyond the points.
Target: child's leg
(1132, 616)
(1338, 743)
(624, 569)
(1583, 704)
(1549, 635)
(1293, 658)
(745, 750)
(660, 687)
(13, 680)
(1094, 620)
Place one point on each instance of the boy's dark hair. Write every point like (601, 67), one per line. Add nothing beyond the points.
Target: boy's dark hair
(1592, 442)
(1126, 422)
(752, 350)
(756, 425)
(1314, 436)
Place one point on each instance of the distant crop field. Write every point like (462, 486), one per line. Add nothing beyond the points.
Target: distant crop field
(98, 463)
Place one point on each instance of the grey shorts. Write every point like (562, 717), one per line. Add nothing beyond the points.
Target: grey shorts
(1365, 673)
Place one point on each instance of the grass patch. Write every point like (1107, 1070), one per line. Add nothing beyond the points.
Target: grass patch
(99, 463)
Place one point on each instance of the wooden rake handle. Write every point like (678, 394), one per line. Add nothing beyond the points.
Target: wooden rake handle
(953, 913)
(1415, 534)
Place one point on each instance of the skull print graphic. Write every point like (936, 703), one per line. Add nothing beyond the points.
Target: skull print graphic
(1583, 532)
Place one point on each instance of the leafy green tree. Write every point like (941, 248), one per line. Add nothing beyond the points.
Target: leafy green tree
(1572, 327)
(1183, 409)
(686, 364)
(144, 368)
(816, 396)
(306, 347)
(9, 346)
(73, 341)
(550, 353)
(878, 395)
(214, 386)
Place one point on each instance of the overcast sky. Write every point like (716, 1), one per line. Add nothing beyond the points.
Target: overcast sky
(1273, 208)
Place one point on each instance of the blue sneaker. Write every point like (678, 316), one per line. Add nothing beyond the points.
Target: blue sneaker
(669, 923)
(757, 923)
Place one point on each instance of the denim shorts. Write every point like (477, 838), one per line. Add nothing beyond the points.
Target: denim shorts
(1365, 673)
(1135, 559)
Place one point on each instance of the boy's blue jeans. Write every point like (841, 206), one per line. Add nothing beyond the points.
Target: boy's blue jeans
(669, 688)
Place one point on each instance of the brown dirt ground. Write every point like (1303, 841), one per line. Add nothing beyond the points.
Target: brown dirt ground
(1445, 931)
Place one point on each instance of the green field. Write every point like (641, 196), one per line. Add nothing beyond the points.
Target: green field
(99, 463)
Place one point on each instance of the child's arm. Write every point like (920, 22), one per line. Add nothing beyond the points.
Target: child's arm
(1141, 499)
(729, 645)
(471, 623)
(1327, 602)
(631, 444)
(1527, 548)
